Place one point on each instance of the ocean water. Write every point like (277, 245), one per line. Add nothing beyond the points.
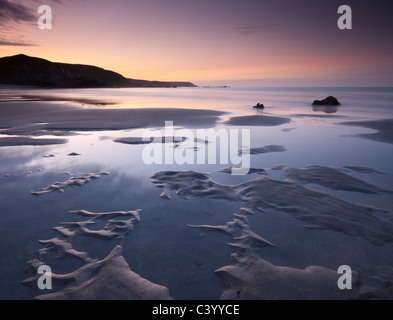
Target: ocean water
(355, 100)
(162, 247)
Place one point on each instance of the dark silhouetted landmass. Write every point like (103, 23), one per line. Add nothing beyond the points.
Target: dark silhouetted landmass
(28, 71)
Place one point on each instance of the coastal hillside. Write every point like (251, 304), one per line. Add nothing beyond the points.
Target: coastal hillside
(29, 71)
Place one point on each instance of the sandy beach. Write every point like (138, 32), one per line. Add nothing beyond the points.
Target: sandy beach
(196, 157)
(77, 196)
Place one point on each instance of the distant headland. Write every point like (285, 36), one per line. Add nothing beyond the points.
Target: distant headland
(30, 71)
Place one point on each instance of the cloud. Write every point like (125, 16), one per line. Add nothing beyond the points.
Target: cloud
(19, 17)
(15, 44)
(15, 12)
(247, 30)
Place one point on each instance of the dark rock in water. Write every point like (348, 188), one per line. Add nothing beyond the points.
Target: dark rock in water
(329, 101)
(259, 106)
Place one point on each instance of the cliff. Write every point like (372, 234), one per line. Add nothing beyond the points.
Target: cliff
(29, 71)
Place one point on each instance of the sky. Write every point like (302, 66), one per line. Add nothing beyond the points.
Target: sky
(211, 42)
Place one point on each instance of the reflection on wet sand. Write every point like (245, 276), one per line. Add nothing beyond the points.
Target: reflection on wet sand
(314, 199)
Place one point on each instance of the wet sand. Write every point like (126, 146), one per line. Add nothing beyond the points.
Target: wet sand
(48, 118)
(383, 128)
(248, 272)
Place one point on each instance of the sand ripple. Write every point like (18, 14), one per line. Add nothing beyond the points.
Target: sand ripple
(109, 278)
(72, 182)
(333, 179)
(191, 183)
(318, 209)
(252, 277)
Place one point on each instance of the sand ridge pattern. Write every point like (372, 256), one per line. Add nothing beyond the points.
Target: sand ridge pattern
(72, 182)
(265, 149)
(249, 276)
(318, 209)
(333, 178)
(108, 278)
(229, 170)
(252, 277)
(191, 183)
(315, 208)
